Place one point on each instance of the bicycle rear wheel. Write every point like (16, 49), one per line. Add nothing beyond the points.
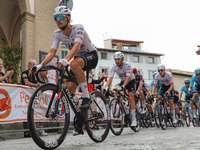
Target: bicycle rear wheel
(163, 117)
(54, 125)
(97, 117)
(117, 117)
(146, 118)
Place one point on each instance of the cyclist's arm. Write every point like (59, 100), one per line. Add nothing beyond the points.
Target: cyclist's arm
(140, 86)
(49, 57)
(171, 87)
(73, 51)
(180, 96)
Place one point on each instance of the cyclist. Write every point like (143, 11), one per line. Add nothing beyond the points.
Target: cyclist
(167, 87)
(195, 78)
(124, 71)
(139, 86)
(188, 95)
(176, 102)
(81, 49)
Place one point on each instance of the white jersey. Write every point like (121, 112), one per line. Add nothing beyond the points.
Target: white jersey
(78, 34)
(166, 80)
(124, 72)
(147, 86)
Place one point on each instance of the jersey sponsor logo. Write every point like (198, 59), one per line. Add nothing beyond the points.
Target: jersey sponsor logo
(80, 28)
(5, 104)
(80, 33)
(69, 45)
(65, 37)
(57, 32)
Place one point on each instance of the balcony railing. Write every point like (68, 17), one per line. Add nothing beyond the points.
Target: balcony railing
(137, 49)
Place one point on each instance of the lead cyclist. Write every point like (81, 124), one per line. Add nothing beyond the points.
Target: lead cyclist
(76, 39)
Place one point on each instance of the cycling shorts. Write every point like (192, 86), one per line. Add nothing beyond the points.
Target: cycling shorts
(197, 89)
(164, 89)
(90, 59)
(131, 86)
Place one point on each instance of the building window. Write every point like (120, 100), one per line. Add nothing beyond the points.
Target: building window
(64, 53)
(151, 74)
(151, 60)
(136, 58)
(103, 55)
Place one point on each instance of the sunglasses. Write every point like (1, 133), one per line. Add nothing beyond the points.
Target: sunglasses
(117, 59)
(160, 70)
(61, 17)
(187, 82)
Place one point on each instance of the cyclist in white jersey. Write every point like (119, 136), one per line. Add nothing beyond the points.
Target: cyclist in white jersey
(125, 73)
(81, 49)
(167, 87)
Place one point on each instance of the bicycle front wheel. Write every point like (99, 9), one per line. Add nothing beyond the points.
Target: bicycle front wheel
(48, 129)
(162, 117)
(117, 117)
(187, 116)
(97, 117)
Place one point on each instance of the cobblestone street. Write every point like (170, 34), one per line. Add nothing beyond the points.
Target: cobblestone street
(151, 138)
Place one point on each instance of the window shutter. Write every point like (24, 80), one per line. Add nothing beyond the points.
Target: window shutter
(132, 58)
(125, 57)
(155, 60)
(147, 59)
(99, 54)
(108, 56)
(141, 59)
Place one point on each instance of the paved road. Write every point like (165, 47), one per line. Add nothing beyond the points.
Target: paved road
(183, 138)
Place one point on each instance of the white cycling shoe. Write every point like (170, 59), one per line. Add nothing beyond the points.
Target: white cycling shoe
(133, 123)
(175, 120)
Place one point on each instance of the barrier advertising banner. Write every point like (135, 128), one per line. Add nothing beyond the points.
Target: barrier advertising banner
(14, 100)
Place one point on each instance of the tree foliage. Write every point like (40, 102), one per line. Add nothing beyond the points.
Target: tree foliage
(11, 56)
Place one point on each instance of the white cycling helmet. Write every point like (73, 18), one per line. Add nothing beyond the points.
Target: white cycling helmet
(161, 67)
(62, 10)
(118, 55)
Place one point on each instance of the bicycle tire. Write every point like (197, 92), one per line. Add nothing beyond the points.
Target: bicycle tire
(36, 111)
(187, 116)
(138, 119)
(100, 119)
(146, 118)
(156, 116)
(163, 117)
(117, 117)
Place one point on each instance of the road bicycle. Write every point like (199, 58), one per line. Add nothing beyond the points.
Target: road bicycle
(189, 114)
(121, 113)
(146, 118)
(49, 105)
(165, 114)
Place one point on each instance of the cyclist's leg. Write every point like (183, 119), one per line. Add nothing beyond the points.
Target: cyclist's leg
(131, 90)
(79, 65)
(193, 108)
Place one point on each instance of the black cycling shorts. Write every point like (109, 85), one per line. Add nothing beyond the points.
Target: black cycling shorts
(131, 86)
(91, 60)
(164, 89)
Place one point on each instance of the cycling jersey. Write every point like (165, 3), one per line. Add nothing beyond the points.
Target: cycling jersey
(166, 80)
(186, 90)
(157, 86)
(139, 79)
(124, 72)
(196, 80)
(78, 34)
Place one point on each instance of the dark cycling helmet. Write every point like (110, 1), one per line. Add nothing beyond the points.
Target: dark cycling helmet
(197, 70)
(186, 80)
(134, 70)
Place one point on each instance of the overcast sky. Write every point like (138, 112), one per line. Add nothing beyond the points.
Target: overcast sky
(170, 27)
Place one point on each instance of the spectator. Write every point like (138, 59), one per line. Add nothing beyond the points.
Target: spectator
(29, 81)
(99, 86)
(5, 78)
